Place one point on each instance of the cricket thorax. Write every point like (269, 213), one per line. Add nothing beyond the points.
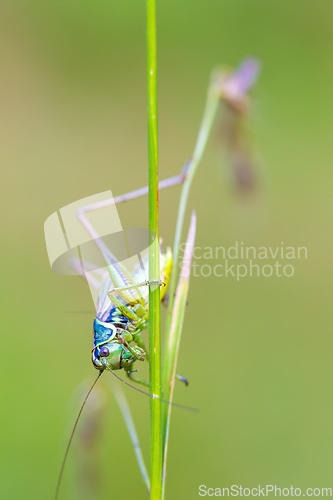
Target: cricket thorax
(110, 344)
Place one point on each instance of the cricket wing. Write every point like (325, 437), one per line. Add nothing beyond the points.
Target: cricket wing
(100, 280)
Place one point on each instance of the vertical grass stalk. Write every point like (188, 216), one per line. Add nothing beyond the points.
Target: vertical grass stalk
(156, 451)
(212, 104)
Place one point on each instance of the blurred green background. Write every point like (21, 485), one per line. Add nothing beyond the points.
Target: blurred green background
(257, 352)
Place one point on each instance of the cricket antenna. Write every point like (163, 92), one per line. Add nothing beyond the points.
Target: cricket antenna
(72, 435)
(183, 407)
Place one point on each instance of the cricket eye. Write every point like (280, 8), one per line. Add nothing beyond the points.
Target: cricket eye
(104, 352)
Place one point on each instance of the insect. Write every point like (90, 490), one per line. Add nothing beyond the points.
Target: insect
(122, 313)
(122, 305)
(122, 310)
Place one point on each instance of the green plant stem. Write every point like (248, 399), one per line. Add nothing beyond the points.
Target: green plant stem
(211, 107)
(156, 451)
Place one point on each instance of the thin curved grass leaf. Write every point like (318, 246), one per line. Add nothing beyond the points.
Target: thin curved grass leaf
(172, 347)
(127, 416)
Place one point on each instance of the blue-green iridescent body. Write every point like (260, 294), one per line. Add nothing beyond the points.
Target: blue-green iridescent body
(117, 340)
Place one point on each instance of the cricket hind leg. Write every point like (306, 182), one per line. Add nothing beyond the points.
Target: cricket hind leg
(171, 181)
(105, 251)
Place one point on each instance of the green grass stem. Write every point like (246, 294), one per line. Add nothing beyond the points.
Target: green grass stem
(156, 450)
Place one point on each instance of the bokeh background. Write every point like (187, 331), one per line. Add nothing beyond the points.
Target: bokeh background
(258, 353)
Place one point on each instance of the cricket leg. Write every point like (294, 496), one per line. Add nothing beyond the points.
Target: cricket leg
(138, 340)
(139, 356)
(136, 285)
(129, 373)
(132, 195)
(130, 313)
(135, 299)
(105, 251)
(182, 379)
(137, 311)
(81, 214)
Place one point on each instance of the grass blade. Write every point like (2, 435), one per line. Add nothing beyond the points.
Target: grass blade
(231, 89)
(211, 107)
(172, 347)
(127, 416)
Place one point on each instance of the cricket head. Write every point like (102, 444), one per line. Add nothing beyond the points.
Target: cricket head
(110, 351)
(115, 356)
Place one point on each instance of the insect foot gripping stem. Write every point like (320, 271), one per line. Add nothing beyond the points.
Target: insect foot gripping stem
(156, 282)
